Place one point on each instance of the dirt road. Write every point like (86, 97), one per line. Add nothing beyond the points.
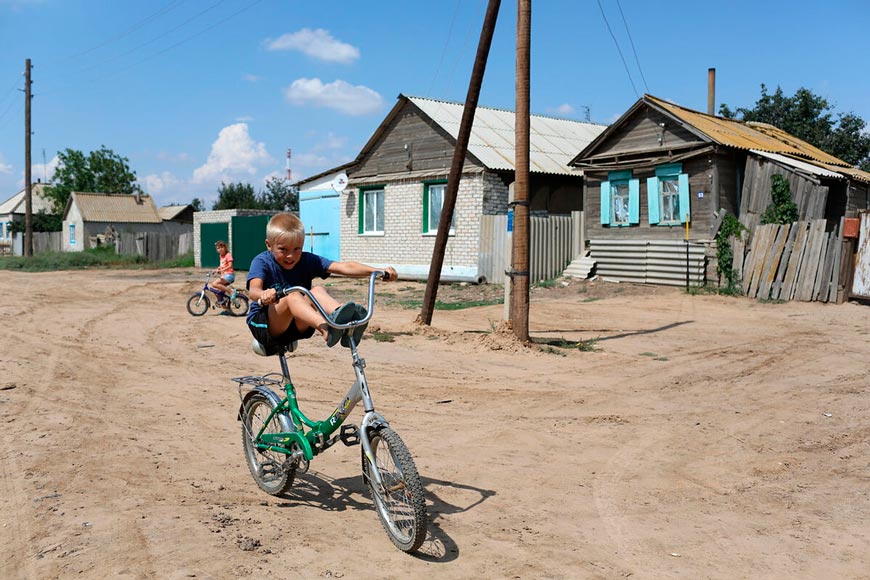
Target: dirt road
(699, 437)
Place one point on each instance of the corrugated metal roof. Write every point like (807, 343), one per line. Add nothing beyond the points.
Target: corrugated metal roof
(15, 204)
(758, 136)
(116, 207)
(804, 166)
(169, 212)
(552, 142)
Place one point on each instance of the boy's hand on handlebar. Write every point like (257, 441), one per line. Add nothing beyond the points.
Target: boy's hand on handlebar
(267, 297)
(390, 274)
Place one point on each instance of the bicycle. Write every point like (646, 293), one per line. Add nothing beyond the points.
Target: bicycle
(236, 302)
(279, 440)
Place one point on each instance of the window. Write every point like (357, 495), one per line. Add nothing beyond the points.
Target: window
(433, 201)
(72, 234)
(668, 195)
(371, 214)
(620, 199)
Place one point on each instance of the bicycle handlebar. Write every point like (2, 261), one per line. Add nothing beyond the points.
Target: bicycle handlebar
(282, 292)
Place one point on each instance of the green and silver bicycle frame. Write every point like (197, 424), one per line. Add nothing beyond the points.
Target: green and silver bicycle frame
(305, 438)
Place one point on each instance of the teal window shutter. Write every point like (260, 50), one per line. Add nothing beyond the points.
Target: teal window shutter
(652, 198)
(634, 201)
(605, 202)
(684, 197)
(669, 170)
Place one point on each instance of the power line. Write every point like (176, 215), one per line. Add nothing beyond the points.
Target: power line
(618, 49)
(444, 49)
(625, 22)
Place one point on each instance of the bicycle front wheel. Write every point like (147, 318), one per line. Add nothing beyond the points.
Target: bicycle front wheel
(198, 304)
(272, 470)
(239, 305)
(399, 501)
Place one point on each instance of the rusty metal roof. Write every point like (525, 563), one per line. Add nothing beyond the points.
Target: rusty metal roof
(115, 207)
(553, 142)
(742, 135)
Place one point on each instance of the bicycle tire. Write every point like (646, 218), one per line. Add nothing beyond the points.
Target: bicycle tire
(239, 305)
(198, 304)
(271, 470)
(401, 506)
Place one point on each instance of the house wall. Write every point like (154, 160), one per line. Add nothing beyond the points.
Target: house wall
(411, 143)
(403, 245)
(702, 208)
(74, 218)
(858, 198)
(642, 132)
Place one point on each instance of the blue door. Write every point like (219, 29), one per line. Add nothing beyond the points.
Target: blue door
(319, 211)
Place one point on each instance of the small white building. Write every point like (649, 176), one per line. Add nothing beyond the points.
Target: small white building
(13, 210)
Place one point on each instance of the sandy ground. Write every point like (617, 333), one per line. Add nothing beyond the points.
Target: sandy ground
(697, 437)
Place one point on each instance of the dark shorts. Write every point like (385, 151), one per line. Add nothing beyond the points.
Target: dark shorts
(259, 327)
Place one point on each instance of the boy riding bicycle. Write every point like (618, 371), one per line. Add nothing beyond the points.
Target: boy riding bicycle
(274, 321)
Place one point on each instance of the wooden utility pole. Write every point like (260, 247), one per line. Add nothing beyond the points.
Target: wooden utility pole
(28, 197)
(458, 161)
(520, 265)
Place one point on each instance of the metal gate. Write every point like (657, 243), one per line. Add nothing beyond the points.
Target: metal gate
(320, 211)
(249, 238)
(208, 235)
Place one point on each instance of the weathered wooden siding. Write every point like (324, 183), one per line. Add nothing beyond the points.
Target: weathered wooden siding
(642, 133)
(702, 208)
(858, 198)
(410, 144)
(810, 196)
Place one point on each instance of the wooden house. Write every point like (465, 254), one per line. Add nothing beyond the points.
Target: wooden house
(88, 217)
(390, 210)
(659, 179)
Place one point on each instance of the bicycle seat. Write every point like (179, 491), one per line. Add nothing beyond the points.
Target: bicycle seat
(262, 350)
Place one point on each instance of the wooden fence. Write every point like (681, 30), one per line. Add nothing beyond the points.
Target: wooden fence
(799, 261)
(554, 242)
(156, 247)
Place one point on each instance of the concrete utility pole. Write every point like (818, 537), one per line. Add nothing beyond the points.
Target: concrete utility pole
(28, 198)
(458, 161)
(520, 268)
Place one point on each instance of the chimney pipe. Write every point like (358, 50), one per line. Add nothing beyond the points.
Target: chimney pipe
(711, 91)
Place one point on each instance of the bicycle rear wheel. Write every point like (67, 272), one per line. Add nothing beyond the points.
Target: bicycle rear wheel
(239, 305)
(400, 504)
(198, 304)
(273, 471)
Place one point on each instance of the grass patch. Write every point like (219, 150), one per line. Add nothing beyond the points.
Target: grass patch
(591, 299)
(416, 304)
(771, 301)
(545, 283)
(649, 354)
(93, 258)
(380, 336)
(583, 345)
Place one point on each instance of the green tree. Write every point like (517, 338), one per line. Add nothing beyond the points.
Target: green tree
(102, 171)
(280, 195)
(783, 209)
(809, 117)
(236, 196)
(41, 222)
(196, 204)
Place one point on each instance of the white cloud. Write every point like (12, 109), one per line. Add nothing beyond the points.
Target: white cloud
(338, 95)
(4, 167)
(157, 184)
(44, 171)
(233, 154)
(565, 109)
(173, 157)
(317, 44)
(251, 78)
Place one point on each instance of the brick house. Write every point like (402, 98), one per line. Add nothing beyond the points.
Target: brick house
(389, 212)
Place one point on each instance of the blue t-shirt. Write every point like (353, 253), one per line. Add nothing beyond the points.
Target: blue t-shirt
(264, 267)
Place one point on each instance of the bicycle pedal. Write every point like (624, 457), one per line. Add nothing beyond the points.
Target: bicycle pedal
(349, 435)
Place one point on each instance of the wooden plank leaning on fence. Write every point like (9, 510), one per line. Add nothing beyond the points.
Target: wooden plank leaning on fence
(826, 264)
(738, 255)
(776, 289)
(761, 247)
(773, 260)
(833, 290)
(810, 267)
(794, 260)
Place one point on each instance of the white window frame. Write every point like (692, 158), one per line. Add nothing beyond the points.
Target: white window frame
(373, 196)
(430, 228)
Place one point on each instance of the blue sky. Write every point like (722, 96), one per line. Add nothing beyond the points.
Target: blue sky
(195, 92)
